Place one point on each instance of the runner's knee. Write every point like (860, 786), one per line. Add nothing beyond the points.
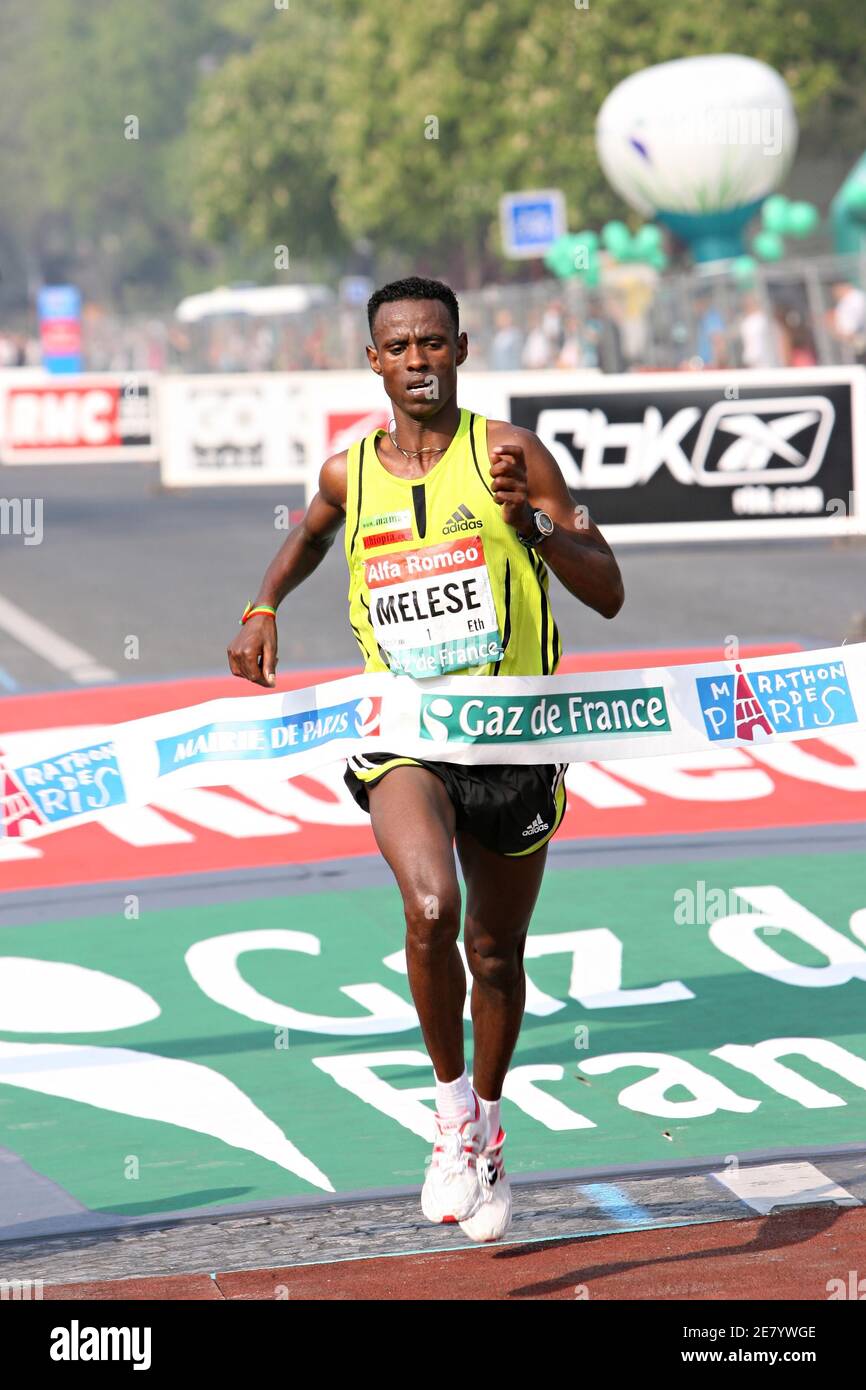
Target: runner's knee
(497, 964)
(432, 916)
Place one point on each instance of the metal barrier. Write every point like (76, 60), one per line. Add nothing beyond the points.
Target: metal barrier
(636, 320)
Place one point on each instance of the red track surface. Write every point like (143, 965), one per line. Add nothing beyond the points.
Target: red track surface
(789, 1256)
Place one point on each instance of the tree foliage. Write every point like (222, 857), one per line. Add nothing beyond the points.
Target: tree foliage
(314, 125)
(258, 147)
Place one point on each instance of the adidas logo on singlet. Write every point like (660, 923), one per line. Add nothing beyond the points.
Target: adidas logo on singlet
(461, 520)
(536, 827)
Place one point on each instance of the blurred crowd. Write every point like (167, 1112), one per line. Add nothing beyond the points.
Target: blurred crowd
(19, 350)
(637, 322)
(768, 334)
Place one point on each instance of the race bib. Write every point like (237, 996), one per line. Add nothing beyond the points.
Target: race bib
(432, 609)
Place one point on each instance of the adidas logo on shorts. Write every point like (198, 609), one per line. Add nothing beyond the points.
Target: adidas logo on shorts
(537, 826)
(461, 520)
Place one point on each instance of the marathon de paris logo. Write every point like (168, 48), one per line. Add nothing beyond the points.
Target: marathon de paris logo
(757, 705)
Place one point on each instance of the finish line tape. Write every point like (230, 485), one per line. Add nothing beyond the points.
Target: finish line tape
(455, 719)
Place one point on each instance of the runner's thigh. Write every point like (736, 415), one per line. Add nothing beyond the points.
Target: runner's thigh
(413, 822)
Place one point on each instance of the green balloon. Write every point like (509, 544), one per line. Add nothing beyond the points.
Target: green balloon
(572, 254)
(743, 270)
(588, 238)
(592, 275)
(774, 215)
(803, 218)
(769, 246)
(617, 239)
(560, 257)
(657, 259)
(855, 198)
(647, 239)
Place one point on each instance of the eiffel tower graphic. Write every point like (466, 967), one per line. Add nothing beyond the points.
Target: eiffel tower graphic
(749, 713)
(17, 812)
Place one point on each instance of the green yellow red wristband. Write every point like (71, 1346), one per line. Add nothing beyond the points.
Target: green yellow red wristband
(250, 611)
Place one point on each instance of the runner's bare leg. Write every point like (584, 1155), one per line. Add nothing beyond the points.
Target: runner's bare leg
(501, 893)
(413, 822)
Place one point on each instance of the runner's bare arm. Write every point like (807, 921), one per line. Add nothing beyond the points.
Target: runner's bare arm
(525, 476)
(252, 653)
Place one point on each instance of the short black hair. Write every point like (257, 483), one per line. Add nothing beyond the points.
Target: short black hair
(414, 287)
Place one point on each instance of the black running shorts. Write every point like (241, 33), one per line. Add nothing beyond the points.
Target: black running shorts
(511, 809)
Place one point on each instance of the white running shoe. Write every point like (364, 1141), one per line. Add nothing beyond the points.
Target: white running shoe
(451, 1191)
(493, 1215)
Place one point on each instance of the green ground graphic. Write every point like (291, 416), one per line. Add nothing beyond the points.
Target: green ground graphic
(90, 1150)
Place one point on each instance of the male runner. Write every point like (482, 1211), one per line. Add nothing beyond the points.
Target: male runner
(485, 504)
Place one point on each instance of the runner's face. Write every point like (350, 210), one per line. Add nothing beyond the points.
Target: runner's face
(417, 353)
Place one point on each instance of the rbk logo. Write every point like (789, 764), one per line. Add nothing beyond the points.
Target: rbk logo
(782, 439)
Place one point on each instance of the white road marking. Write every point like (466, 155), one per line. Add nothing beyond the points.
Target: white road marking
(51, 646)
(769, 1185)
(226, 814)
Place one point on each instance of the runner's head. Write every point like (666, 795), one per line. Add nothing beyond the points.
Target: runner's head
(417, 344)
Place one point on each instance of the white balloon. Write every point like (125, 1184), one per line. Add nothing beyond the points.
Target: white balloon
(697, 135)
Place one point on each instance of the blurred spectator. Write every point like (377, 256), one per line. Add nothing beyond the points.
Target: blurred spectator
(603, 340)
(711, 346)
(315, 354)
(155, 352)
(782, 331)
(803, 352)
(759, 334)
(847, 321)
(506, 348)
(536, 350)
(12, 350)
(262, 349)
(177, 344)
(553, 324)
(571, 354)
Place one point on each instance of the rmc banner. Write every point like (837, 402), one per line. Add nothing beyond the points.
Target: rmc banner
(50, 785)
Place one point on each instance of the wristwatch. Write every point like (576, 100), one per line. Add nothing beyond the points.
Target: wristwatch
(542, 528)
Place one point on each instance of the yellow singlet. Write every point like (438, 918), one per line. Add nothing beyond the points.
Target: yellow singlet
(439, 584)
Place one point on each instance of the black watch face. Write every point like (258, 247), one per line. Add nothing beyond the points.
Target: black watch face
(544, 523)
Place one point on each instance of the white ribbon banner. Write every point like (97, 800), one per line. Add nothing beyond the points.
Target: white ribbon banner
(602, 715)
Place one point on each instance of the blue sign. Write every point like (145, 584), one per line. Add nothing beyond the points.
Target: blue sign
(356, 289)
(755, 705)
(531, 222)
(59, 309)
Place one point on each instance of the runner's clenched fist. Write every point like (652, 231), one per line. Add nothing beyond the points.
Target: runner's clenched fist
(510, 485)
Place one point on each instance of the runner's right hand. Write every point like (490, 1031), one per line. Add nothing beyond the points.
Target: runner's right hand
(252, 653)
